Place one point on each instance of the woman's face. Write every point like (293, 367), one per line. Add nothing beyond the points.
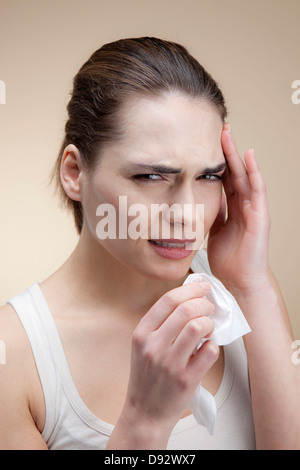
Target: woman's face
(169, 153)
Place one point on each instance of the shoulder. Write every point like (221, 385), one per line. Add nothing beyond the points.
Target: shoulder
(13, 336)
(19, 383)
(16, 361)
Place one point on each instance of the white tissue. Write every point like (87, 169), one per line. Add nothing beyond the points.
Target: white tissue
(230, 324)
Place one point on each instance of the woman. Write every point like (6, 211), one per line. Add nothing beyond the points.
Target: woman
(115, 364)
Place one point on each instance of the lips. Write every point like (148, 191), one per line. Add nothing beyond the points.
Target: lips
(173, 243)
(173, 248)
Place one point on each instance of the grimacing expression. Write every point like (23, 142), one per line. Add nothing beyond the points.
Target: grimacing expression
(169, 153)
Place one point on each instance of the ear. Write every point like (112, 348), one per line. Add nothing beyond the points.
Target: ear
(71, 172)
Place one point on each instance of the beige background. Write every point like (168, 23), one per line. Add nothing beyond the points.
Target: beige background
(251, 49)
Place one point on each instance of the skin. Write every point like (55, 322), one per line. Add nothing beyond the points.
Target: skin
(134, 309)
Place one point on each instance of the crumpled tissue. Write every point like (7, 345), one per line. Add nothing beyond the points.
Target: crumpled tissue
(230, 324)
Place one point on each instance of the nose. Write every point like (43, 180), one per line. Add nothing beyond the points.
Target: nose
(185, 217)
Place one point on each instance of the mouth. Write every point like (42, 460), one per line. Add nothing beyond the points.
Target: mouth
(174, 243)
(173, 248)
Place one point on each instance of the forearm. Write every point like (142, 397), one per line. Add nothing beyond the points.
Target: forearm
(274, 379)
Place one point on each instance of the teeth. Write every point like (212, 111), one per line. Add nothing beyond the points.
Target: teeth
(171, 245)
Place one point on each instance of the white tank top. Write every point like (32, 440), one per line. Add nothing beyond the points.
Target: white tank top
(70, 425)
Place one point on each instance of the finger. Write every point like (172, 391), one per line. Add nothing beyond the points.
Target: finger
(189, 338)
(182, 315)
(169, 302)
(227, 183)
(240, 180)
(233, 198)
(258, 188)
(203, 360)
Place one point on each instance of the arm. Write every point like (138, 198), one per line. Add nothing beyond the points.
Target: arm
(18, 430)
(281, 301)
(238, 254)
(274, 378)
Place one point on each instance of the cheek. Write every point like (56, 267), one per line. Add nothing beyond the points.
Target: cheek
(94, 194)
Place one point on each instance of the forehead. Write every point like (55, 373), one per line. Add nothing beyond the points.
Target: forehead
(172, 129)
(172, 119)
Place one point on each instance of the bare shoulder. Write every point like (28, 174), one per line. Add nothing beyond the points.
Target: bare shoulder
(19, 387)
(13, 339)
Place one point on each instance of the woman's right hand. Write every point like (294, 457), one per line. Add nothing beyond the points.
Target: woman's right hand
(166, 366)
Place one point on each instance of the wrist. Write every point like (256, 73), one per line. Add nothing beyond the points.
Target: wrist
(259, 304)
(254, 288)
(261, 308)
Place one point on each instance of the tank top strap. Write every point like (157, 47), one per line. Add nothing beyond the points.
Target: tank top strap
(32, 313)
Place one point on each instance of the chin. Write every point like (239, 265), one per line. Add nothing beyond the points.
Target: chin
(167, 271)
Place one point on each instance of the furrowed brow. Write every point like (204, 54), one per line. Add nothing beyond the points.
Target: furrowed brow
(216, 169)
(154, 168)
(169, 170)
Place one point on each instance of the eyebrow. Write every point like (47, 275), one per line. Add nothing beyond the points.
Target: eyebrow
(216, 169)
(169, 170)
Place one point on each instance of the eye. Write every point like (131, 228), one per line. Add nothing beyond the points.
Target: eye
(148, 177)
(211, 178)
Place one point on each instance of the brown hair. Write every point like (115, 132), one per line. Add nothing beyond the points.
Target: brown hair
(138, 66)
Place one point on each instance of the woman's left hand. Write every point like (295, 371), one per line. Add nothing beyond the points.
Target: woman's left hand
(238, 245)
